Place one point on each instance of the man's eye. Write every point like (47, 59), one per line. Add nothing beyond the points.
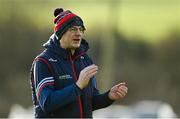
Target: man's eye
(81, 29)
(73, 30)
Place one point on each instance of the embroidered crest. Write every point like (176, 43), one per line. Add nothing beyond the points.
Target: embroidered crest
(65, 77)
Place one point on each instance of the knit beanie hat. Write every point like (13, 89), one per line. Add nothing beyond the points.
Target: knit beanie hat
(64, 20)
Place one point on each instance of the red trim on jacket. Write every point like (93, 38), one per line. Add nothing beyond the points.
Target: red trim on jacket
(50, 70)
(76, 78)
(45, 61)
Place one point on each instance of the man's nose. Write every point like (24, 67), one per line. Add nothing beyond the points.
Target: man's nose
(78, 32)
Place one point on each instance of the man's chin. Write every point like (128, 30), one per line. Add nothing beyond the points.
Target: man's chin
(76, 46)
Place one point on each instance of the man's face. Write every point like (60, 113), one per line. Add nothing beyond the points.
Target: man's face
(72, 38)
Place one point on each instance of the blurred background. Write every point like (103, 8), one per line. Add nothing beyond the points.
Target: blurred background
(136, 41)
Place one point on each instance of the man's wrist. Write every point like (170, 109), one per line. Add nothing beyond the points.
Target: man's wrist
(79, 85)
(110, 96)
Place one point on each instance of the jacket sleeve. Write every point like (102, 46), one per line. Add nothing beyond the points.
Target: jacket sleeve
(50, 99)
(99, 100)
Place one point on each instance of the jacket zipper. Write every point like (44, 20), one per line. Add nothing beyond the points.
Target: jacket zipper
(79, 98)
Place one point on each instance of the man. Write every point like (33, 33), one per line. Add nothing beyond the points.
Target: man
(62, 76)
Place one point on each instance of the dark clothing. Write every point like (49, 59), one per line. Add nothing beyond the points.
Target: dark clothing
(53, 82)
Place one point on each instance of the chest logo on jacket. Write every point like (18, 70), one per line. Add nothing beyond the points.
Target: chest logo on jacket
(65, 77)
(53, 60)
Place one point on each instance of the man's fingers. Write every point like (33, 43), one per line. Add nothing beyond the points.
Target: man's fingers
(123, 88)
(89, 68)
(92, 74)
(122, 91)
(120, 94)
(86, 74)
(121, 84)
(91, 71)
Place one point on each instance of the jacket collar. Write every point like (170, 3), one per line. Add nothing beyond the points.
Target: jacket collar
(53, 45)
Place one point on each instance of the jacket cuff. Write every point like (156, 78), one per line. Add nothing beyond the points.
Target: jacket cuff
(107, 99)
(78, 90)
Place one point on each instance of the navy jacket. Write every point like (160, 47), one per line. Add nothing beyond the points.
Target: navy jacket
(53, 81)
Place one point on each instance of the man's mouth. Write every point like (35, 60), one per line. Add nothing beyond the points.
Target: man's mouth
(76, 40)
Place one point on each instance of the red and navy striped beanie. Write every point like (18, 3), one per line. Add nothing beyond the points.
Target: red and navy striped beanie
(64, 20)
